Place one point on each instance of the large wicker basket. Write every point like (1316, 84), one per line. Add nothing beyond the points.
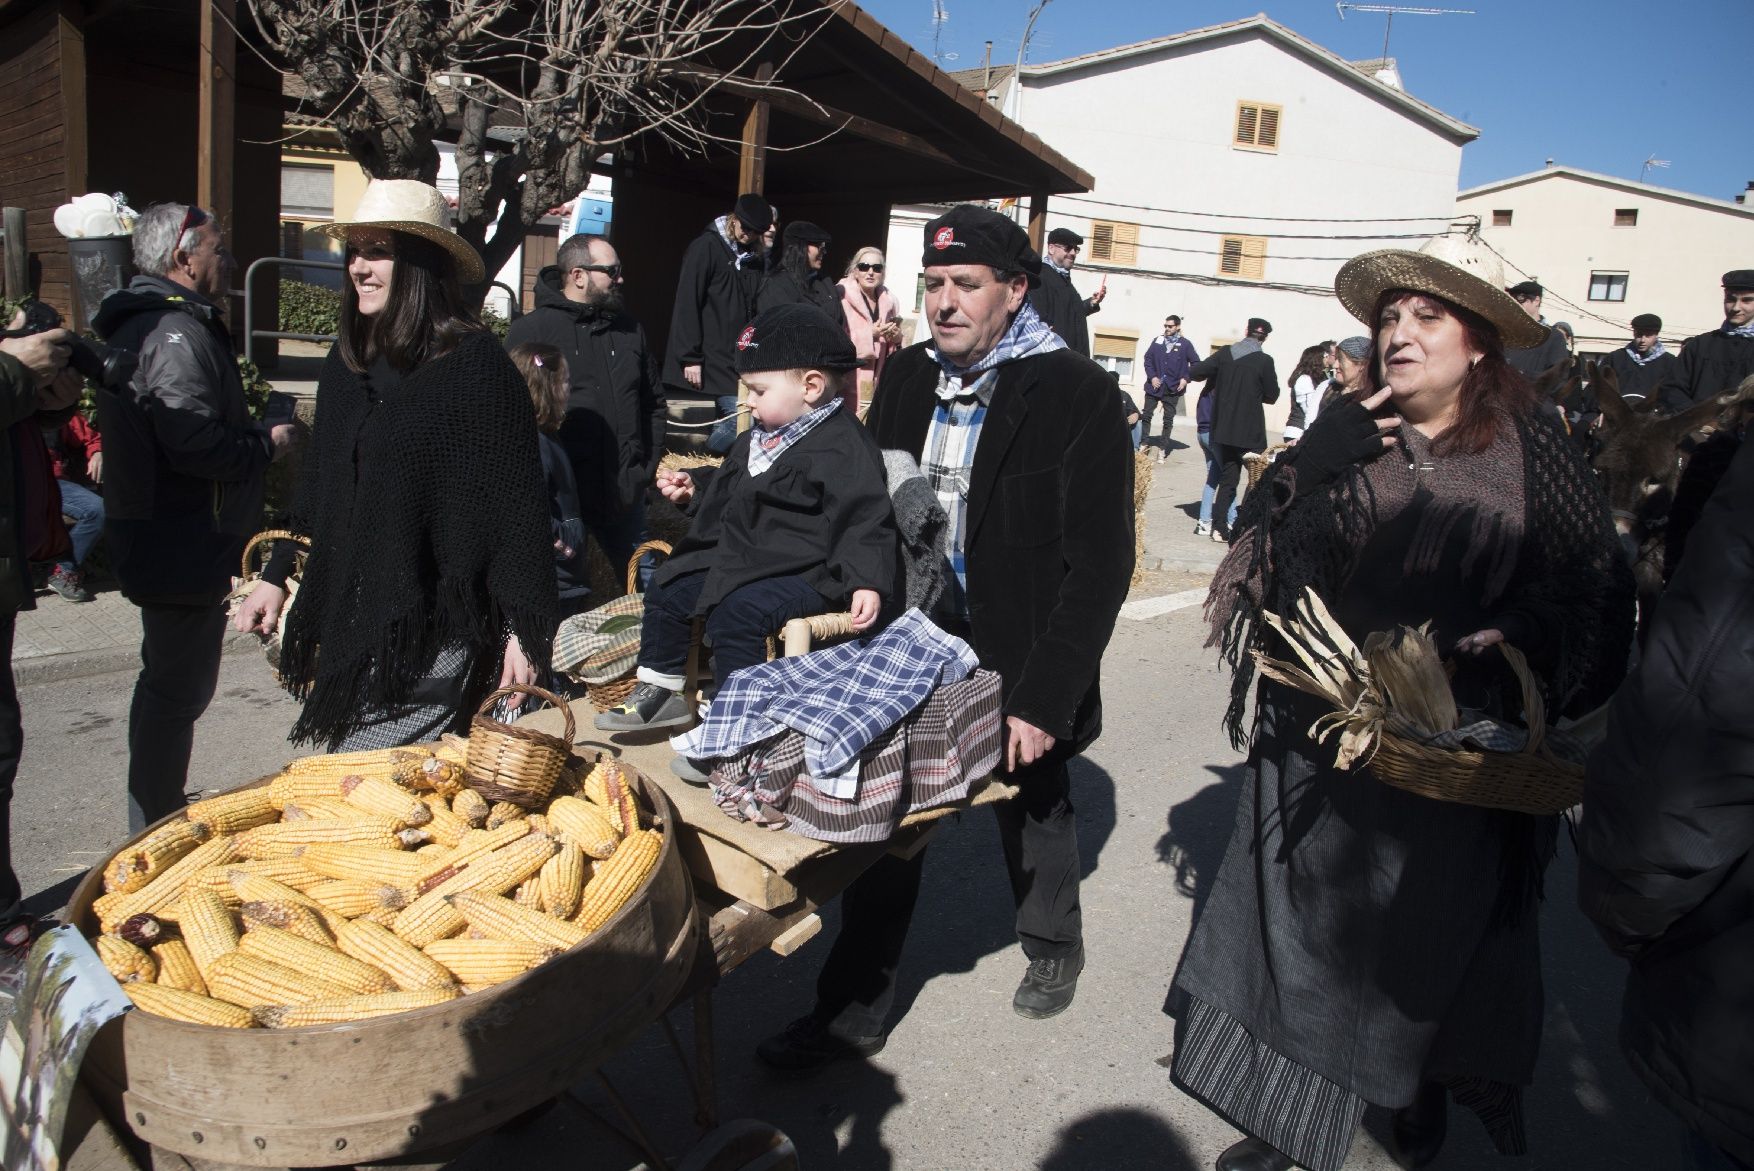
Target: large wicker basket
(512, 762)
(608, 696)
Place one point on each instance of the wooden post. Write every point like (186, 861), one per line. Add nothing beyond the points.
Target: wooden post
(1038, 220)
(752, 167)
(218, 105)
(17, 253)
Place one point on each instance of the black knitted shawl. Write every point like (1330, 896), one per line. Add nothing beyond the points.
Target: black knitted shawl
(429, 528)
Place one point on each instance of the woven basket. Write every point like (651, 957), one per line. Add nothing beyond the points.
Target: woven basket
(611, 695)
(509, 762)
(250, 576)
(1530, 781)
(1256, 463)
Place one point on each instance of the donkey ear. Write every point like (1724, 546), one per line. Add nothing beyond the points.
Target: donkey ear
(1556, 381)
(1606, 384)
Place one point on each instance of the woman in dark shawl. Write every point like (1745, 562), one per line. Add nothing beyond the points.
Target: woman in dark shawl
(431, 572)
(1362, 944)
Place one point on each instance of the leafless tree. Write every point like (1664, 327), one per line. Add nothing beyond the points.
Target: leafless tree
(532, 91)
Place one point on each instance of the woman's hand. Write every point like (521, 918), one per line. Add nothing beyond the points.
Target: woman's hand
(865, 605)
(1477, 642)
(515, 668)
(676, 487)
(260, 613)
(1344, 435)
(1387, 425)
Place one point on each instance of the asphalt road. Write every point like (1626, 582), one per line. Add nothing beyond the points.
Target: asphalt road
(964, 1085)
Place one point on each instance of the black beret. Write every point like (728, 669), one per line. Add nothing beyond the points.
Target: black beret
(1065, 238)
(967, 234)
(1647, 323)
(1260, 325)
(1740, 278)
(805, 232)
(1526, 289)
(794, 337)
(754, 211)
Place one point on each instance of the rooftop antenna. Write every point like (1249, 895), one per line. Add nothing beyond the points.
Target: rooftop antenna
(1393, 10)
(1022, 48)
(1653, 161)
(940, 18)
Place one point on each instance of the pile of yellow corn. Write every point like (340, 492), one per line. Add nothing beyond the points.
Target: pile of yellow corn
(359, 884)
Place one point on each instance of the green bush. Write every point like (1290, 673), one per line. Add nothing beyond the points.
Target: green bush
(306, 308)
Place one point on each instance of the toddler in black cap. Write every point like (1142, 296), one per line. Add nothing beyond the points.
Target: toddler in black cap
(797, 521)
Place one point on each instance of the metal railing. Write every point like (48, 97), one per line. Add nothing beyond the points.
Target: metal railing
(517, 310)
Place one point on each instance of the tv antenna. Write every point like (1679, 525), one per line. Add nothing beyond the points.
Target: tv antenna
(940, 18)
(1653, 161)
(1394, 10)
(1022, 50)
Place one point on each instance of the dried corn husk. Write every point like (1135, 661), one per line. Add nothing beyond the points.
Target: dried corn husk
(1407, 671)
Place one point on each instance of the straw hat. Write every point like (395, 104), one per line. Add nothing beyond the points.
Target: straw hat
(408, 205)
(1459, 267)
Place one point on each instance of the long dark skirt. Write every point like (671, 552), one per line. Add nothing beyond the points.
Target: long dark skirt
(1358, 940)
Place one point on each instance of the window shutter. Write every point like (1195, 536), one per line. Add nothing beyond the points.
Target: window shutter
(1114, 242)
(1268, 132)
(307, 191)
(1230, 256)
(1246, 119)
(1243, 256)
(1115, 345)
(1102, 240)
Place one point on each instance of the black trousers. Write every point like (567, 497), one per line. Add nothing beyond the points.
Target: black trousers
(1229, 473)
(1169, 406)
(11, 748)
(856, 987)
(736, 630)
(179, 670)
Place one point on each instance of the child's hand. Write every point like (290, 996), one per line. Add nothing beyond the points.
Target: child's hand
(865, 605)
(676, 487)
(562, 548)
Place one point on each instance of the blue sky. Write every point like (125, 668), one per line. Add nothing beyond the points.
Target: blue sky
(1597, 84)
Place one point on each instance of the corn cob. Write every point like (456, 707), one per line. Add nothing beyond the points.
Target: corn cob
(571, 778)
(446, 828)
(152, 855)
(349, 1008)
(501, 812)
(292, 918)
(384, 799)
(143, 930)
(176, 967)
(486, 962)
(231, 813)
(585, 825)
(284, 839)
(539, 824)
(434, 850)
(475, 844)
(501, 918)
(430, 917)
(167, 888)
(450, 747)
(595, 786)
(383, 918)
(216, 879)
(290, 872)
(408, 967)
(249, 980)
(364, 863)
(529, 892)
(413, 839)
(353, 899)
(471, 806)
(327, 809)
(103, 908)
(378, 761)
(323, 962)
(562, 881)
(180, 1004)
(627, 811)
(207, 929)
(616, 880)
(125, 962)
(428, 774)
(255, 888)
(291, 788)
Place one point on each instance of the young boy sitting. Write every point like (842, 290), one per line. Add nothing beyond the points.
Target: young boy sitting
(797, 520)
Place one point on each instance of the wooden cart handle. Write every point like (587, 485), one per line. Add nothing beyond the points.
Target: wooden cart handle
(530, 689)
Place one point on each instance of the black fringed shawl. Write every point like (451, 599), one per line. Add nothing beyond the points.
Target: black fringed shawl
(429, 527)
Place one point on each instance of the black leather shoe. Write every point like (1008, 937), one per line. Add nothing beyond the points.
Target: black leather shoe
(807, 1044)
(1048, 986)
(1418, 1131)
(1251, 1154)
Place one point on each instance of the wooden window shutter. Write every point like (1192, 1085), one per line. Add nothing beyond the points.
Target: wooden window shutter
(1115, 345)
(1268, 132)
(1114, 242)
(1246, 119)
(1257, 125)
(1244, 257)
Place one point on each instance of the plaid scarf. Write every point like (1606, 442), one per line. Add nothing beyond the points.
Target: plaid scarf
(767, 446)
(1656, 352)
(1739, 330)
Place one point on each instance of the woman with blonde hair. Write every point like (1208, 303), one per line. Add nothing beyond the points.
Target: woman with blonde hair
(872, 317)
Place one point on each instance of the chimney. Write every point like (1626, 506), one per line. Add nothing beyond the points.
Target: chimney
(1549, 162)
(987, 73)
(1743, 198)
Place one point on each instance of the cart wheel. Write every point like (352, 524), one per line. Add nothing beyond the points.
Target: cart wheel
(743, 1145)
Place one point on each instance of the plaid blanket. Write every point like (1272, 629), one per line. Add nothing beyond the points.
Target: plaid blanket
(584, 651)
(841, 698)
(931, 759)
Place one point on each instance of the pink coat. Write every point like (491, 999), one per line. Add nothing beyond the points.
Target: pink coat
(872, 353)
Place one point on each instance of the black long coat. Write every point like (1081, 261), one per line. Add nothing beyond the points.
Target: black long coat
(1712, 363)
(1666, 850)
(715, 298)
(1048, 540)
(1063, 309)
(1239, 388)
(1639, 381)
(1537, 360)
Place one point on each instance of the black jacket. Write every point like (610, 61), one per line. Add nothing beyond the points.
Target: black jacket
(183, 460)
(1668, 829)
(821, 512)
(615, 417)
(715, 298)
(1537, 360)
(1048, 538)
(571, 574)
(18, 404)
(1240, 387)
(1712, 363)
(1063, 309)
(819, 289)
(1638, 382)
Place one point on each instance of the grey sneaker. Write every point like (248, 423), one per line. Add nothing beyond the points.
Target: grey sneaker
(1048, 986)
(70, 585)
(687, 770)
(649, 708)
(1202, 529)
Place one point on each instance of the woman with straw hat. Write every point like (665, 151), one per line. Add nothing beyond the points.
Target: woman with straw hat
(1361, 944)
(430, 574)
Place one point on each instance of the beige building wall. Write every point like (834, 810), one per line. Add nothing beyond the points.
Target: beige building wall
(1567, 225)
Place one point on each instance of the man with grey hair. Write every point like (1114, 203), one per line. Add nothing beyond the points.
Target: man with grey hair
(182, 485)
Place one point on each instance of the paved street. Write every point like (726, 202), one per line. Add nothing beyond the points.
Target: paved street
(964, 1085)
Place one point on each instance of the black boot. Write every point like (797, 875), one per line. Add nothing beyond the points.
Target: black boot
(807, 1044)
(1418, 1131)
(1251, 1154)
(1048, 986)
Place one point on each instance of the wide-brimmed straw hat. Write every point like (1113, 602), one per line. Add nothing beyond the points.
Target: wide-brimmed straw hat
(408, 205)
(1458, 267)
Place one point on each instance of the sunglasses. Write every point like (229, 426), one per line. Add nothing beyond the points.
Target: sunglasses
(612, 270)
(867, 266)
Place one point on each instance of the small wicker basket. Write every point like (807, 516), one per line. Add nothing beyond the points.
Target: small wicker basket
(1257, 462)
(611, 695)
(509, 762)
(251, 576)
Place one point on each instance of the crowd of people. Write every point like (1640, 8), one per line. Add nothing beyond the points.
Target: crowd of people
(1362, 945)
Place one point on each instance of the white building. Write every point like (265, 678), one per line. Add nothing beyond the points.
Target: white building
(1237, 167)
(1607, 249)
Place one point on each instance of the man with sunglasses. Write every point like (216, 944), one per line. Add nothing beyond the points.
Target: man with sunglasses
(614, 429)
(1056, 300)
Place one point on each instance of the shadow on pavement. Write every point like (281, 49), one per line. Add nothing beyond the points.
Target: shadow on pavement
(1199, 829)
(1116, 1139)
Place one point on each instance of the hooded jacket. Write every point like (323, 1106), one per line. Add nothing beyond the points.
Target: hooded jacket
(615, 415)
(183, 460)
(715, 299)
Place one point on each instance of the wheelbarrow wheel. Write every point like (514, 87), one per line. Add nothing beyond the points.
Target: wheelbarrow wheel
(742, 1145)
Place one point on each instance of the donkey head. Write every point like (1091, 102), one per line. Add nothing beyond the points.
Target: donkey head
(1640, 456)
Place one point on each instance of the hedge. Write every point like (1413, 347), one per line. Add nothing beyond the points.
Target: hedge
(306, 308)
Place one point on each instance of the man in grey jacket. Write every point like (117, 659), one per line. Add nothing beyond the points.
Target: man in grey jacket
(182, 486)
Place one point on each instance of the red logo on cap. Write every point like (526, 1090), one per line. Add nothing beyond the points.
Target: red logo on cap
(747, 338)
(944, 239)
